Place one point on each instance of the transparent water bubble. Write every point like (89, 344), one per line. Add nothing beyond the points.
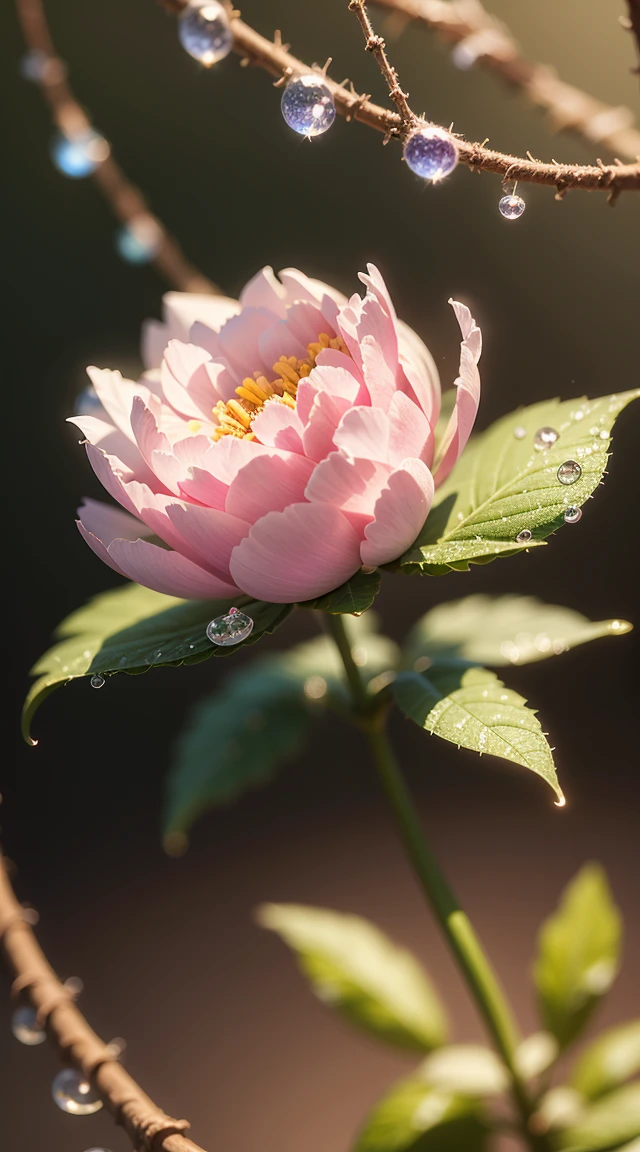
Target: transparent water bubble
(519, 432)
(545, 438)
(572, 515)
(511, 207)
(204, 31)
(87, 402)
(307, 105)
(524, 536)
(569, 472)
(230, 629)
(79, 155)
(138, 242)
(25, 1027)
(431, 153)
(97, 681)
(73, 1093)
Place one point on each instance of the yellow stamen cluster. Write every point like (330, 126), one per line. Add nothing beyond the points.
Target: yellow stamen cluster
(235, 416)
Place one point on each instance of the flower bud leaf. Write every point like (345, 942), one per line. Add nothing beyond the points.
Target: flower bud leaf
(357, 970)
(578, 953)
(607, 1123)
(417, 1117)
(612, 1058)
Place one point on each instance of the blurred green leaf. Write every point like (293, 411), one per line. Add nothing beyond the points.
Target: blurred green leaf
(355, 596)
(414, 1117)
(578, 951)
(472, 708)
(609, 1060)
(535, 1054)
(465, 1069)
(353, 967)
(131, 629)
(606, 1124)
(237, 738)
(500, 630)
(502, 485)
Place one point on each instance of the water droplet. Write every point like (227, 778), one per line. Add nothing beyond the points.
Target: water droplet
(73, 1093)
(524, 536)
(307, 105)
(519, 432)
(431, 153)
(79, 155)
(204, 31)
(97, 681)
(569, 472)
(139, 241)
(25, 1027)
(579, 415)
(229, 629)
(604, 435)
(74, 986)
(545, 438)
(511, 207)
(572, 514)
(620, 626)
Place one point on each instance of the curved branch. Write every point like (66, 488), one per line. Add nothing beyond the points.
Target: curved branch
(126, 201)
(35, 980)
(275, 59)
(493, 47)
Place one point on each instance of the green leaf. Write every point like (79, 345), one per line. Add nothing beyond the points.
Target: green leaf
(414, 1117)
(473, 709)
(609, 1060)
(465, 1069)
(502, 484)
(354, 597)
(131, 629)
(356, 969)
(500, 630)
(610, 1122)
(237, 738)
(578, 951)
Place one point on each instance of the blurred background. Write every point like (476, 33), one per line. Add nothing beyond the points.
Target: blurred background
(220, 1027)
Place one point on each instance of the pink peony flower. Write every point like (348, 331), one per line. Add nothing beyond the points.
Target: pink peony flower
(275, 444)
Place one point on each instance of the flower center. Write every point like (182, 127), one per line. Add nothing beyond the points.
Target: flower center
(235, 417)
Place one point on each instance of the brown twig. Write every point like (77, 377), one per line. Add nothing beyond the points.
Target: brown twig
(257, 50)
(493, 47)
(126, 201)
(634, 25)
(376, 46)
(147, 1125)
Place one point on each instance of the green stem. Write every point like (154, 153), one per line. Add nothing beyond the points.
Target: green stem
(461, 937)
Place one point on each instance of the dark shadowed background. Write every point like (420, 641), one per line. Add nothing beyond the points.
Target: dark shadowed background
(219, 1026)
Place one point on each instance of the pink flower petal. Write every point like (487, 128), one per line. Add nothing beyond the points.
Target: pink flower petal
(324, 417)
(200, 485)
(210, 535)
(278, 340)
(110, 472)
(268, 484)
(364, 433)
(239, 342)
(166, 572)
(109, 523)
(264, 290)
(186, 384)
(278, 426)
(410, 431)
(116, 396)
(467, 383)
(399, 514)
(97, 547)
(114, 442)
(181, 310)
(353, 486)
(296, 555)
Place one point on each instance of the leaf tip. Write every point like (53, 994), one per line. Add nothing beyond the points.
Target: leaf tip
(561, 802)
(175, 843)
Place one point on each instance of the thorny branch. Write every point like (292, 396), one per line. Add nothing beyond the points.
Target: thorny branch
(35, 980)
(491, 45)
(273, 57)
(126, 201)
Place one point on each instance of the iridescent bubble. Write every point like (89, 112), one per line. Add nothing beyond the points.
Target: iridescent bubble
(524, 536)
(97, 681)
(519, 432)
(572, 515)
(73, 1093)
(307, 105)
(33, 66)
(569, 472)
(79, 155)
(545, 438)
(25, 1027)
(511, 207)
(431, 152)
(205, 32)
(138, 242)
(229, 629)
(87, 402)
